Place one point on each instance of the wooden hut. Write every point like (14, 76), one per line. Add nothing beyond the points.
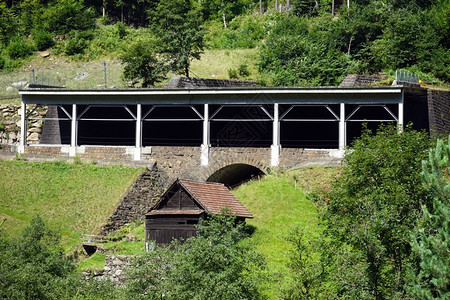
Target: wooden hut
(182, 206)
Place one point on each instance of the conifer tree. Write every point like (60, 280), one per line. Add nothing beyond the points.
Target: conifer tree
(430, 245)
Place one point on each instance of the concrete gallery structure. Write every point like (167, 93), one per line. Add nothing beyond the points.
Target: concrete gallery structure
(260, 117)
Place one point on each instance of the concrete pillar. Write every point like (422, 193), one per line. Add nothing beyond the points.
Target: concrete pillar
(23, 128)
(73, 132)
(401, 120)
(204, 158)
(276, 147)
(138, 147)
(342, 128)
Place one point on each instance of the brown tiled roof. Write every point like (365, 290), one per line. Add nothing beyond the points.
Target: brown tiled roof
(215, 196)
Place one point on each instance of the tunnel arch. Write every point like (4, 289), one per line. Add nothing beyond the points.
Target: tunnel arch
(235, 174)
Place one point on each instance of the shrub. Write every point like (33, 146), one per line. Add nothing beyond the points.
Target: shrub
(233, 74)
(141, 64)
(2, 62)
(43, 40)
(242, 32)
(243, 70)
(32, 266)
(78, 43)
(372, 209)
(214, 265)
(19, 48)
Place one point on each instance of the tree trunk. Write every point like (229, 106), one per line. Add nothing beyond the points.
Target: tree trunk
(186, 71)
(223, 15)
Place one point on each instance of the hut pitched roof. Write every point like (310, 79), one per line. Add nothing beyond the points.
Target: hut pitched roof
(211, 196)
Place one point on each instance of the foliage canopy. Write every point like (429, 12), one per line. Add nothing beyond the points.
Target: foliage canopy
(372, 209)
(214, 265)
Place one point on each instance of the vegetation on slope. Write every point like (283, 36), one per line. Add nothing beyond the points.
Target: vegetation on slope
(305, 44)
(367, 246)
(75, 199)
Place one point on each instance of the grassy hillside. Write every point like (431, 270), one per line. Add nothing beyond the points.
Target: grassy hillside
(90, 75)
(75, 199)
(279, 205)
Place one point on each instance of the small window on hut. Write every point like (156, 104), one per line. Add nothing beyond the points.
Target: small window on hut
(192, 221)
(181, 222)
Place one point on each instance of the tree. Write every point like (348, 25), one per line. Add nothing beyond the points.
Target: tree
(307, 269)
(178, 25)
(372, 209)
(430, 278)
(216, 264)
(141, 64)
(33, 266)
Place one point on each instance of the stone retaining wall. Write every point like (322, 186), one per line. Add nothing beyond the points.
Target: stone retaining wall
(114, 270)
(10, 124)
(141, 196)
(439, 111)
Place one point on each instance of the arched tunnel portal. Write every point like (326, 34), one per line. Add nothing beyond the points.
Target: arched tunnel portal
(235, 174)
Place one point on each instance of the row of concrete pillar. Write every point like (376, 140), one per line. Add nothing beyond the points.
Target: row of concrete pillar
(206, 144)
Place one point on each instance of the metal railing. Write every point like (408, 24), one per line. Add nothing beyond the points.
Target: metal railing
(47, 81)
(406, 77)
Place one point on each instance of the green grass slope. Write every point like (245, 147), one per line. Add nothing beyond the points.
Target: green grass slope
(279, 205)
(75, 199)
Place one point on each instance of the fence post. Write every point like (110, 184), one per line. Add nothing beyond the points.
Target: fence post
(34, 76)
(104, 71)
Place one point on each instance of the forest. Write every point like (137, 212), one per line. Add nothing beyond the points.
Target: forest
(299, 42)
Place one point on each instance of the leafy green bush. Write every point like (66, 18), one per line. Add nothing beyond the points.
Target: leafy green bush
(243, 70)
(141, 64)
(371, 211)
(2, 62)
(19, 48)
(110, 40)
(214, 265)
(78, 43)
(67, 15)
(33, 266)
(233, 74)
(242, 32)
(43, 40)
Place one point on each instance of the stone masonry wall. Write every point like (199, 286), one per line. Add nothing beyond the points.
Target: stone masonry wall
(114, 270)
(10, 124)
(176, 162)
(142, 195)
(45, 150)
(439, 111)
